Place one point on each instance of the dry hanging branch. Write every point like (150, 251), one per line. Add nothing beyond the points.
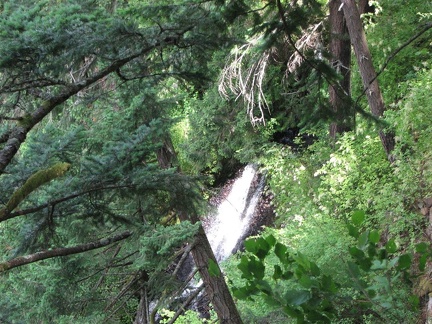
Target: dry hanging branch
(246, 81)
(245, 73)
(311, 40)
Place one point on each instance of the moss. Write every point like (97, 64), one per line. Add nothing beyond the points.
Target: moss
(33, 182)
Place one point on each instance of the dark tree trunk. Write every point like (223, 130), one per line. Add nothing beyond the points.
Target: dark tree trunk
(367, 71)
(216, 288)
(340, 49)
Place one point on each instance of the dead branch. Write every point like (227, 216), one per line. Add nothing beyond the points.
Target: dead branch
(42, 255)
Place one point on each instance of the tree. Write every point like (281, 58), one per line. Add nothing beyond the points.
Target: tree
(367, 71)
(340, 51)
(84, 88)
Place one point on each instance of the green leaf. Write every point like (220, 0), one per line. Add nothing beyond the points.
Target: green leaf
(422, 262)
(277, 273)
(391, 246)
(297, 297)
(281, 252)
(270, 300)
(213, 268)
(356, 252)
(358, 217)
(353, 231)
(264, 287)
(363, 239)
(314, 269)
(306, 281)
(287, 275)
(374, 236)
(250, 245)
(271, 240)
(257, 268)
(422, 247)
(353, 269)
(327, 284)
(243, 266)
(404, 262)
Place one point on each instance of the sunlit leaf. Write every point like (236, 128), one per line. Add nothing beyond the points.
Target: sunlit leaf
(391, 246)
(374, 236)
(213, 268)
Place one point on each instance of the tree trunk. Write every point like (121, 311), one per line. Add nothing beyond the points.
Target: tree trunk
(367, 71)
(142, 310)
(340, 49)
(216, 288)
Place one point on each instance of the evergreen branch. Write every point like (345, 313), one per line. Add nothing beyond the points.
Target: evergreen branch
(33, 182)
(19, 133)
(43, 255)
(57, 201)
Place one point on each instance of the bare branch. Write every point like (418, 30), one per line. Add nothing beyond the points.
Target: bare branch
(42, 255)
(246, 82)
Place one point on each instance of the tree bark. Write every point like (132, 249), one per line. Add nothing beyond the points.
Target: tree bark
(367, 70)
(216, 288)
(340, 50)
(42, 255)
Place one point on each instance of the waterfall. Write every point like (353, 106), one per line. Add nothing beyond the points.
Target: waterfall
(234, 215)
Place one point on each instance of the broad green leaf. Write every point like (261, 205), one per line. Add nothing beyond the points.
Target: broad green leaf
(213, 268)
(363, 239)
(353, 269)
(422, 247)
(270, 300)
(297, 297)
(293, 312)
(243, 266)
(356, 252)
(277, 273)
(306, 281)
(250, 245)
(264, 287)
(240, 293)
(371, 293)
(257, 268)
(374, 236)
(281, 252)
(271, 240)
(302, 260)
(327, 284)
(314, 269)
(404, 262)
(353, 231)
(287, 275)
(378, 265)
(358, 217)
(422, 262)
(391, 246)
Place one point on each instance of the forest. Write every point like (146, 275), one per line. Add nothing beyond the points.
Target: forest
(121, 120)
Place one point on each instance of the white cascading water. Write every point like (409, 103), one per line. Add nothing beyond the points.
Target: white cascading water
(235, 213)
